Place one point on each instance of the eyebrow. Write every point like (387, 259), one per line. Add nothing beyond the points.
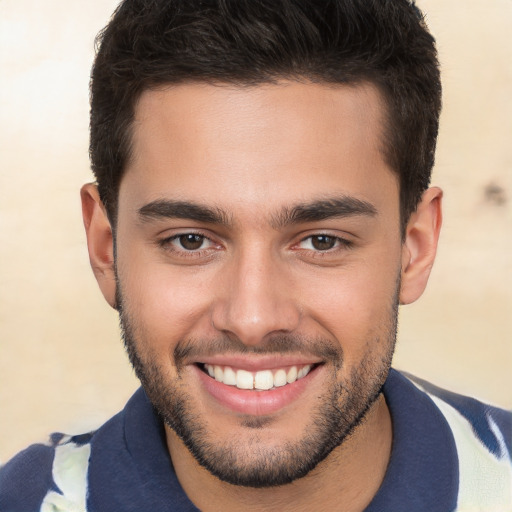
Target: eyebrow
(344, 206)
(323, 209)
(169, 209)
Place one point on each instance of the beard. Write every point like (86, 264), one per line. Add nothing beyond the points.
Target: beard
(249, 460)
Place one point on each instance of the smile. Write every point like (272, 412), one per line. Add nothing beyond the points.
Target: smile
(260, 380)
(257, 386)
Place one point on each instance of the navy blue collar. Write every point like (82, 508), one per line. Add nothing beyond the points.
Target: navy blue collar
(423, 472)
(131, 469)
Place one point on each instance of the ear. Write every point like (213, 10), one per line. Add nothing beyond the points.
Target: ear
(99, 241)
(420, 245)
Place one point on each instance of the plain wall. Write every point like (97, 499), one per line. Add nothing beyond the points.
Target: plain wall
(62, 365)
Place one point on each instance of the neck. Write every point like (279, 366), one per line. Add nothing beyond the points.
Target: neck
(347, 479)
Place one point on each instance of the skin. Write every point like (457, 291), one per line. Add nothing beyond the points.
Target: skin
(256, 153)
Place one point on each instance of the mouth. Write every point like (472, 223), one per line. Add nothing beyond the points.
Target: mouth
(262, 380)
(258, 385)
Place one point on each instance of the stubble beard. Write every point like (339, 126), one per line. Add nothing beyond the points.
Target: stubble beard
(250, 461)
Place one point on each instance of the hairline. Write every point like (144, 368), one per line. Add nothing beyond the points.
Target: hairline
(385, 119)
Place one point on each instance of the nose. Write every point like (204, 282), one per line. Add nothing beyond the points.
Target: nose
(256, 300)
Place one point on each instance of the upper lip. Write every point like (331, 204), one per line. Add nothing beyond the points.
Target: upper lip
(257, 362)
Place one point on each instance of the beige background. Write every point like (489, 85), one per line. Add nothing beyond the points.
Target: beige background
(62, 366)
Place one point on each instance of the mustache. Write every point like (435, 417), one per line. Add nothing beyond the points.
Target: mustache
(321, 348)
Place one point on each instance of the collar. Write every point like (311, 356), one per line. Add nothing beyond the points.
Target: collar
(130, 453)
(423, 473)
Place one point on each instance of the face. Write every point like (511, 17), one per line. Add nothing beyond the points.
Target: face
(258, 266)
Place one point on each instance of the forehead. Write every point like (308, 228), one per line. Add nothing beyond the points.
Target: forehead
(267, 144)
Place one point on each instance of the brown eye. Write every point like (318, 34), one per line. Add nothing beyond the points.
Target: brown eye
(323, 242)
(191, 241)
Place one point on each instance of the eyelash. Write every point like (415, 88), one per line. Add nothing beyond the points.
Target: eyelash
(340, 243)
(167, 244)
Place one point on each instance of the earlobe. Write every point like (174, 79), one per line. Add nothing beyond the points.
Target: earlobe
(420, 245)
(99, 241)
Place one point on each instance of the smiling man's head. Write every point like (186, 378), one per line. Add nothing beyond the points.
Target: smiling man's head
(261, 211)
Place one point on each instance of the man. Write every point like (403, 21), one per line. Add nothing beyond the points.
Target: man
(261, 210)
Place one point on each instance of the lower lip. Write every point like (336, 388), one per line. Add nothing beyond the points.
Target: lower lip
(253, 402)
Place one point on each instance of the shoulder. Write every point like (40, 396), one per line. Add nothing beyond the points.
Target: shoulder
(56, 476)
(50, 476)
(483, 439)
(491, 426)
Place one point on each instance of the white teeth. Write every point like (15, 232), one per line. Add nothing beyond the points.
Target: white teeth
(218, 374)
(280, 378)
(303, 371)
(229, 376)
(291, 376)
(262, 380)
(244, 380)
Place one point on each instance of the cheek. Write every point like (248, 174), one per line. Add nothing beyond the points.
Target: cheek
(164, 304)
(356, 306)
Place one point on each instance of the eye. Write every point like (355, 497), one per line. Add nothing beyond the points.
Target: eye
(321, 242)
(190, 241)
(187, 242)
